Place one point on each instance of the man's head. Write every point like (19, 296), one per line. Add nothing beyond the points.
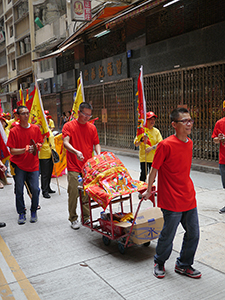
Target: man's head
(3, 121)
(181, 121)
(23, 114)
(84, 112)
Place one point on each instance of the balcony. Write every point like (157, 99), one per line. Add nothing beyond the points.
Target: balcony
(51, 34)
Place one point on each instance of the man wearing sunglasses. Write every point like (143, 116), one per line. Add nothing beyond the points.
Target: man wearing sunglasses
(79, 138)
(176, 196)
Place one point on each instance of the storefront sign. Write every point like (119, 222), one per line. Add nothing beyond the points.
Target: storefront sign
(81, 10)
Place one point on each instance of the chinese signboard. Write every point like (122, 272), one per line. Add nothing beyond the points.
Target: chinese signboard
(106, 70)
(81, 10)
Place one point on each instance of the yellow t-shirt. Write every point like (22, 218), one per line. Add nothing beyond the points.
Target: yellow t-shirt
(46, 152)
(155, 137)
(51, 124)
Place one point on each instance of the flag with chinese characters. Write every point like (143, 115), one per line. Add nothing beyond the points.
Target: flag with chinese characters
(37, 115)
(78, 99)
(141, 106)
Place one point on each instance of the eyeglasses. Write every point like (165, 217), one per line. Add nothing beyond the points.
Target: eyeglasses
(24, 113)
(87, 116)
(185, 121)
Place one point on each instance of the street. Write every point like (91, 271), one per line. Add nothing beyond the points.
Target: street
(57, 262)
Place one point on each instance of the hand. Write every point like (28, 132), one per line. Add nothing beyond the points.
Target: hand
(149, 149)
(146, 195)
(80, 156)
(29, 148)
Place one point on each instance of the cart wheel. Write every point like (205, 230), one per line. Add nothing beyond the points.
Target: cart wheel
(106, 240)
(147, 244)
(121, 248)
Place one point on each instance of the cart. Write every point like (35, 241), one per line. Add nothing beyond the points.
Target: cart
(107, 228)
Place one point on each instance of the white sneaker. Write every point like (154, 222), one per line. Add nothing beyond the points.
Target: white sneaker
(75, 224)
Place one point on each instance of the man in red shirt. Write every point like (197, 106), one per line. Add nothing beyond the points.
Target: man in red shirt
(79, 137)
(24, 158)
(176, 196)
(219, 138)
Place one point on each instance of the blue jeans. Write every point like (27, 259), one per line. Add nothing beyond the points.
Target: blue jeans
(32, 181)
(189, 221)
(222, 173)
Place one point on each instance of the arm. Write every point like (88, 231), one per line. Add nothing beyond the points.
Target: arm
(70, 148)
(97, 149)
(151, 178)
(18, 151)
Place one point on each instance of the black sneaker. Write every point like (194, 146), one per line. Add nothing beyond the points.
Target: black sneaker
(189, 271)
(159, 271)
(222, 210)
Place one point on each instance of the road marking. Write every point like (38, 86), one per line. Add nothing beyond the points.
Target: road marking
(13, 282)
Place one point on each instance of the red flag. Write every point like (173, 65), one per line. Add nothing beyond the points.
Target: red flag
(29, 102)
(93, 120)
(141, 106)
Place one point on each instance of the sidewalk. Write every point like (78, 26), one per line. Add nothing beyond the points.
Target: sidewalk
(62, 263)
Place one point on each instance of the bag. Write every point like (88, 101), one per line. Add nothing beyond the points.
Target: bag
(55, 156)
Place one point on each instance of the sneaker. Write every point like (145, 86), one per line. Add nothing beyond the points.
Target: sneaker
(33, 217)
(222, 210)
(159, 271)
(22, 219)
(75, 225)
(189, 271)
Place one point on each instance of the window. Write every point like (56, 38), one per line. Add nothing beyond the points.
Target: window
(11, 31)
(13, 65)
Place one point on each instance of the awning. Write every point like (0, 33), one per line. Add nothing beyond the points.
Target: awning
(102, 16)
(133, 12)
(17, 77)
(55, 53)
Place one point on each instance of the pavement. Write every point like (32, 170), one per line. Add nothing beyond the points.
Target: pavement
(48, 260)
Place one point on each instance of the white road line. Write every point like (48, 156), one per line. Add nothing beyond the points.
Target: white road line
(13, 284)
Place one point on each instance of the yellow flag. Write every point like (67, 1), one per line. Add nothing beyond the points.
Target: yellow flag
(61, 165)
(78, 99)
(37, 115)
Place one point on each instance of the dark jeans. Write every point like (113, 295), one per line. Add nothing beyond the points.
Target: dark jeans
(222, 173)
(46, 167)
(143, 171)
(189, 221)
(32, 181)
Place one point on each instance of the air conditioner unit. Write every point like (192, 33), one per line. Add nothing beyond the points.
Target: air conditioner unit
(27, 40)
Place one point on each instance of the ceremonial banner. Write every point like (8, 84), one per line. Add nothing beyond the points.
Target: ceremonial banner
(37, 115)
(105, 177)
(30, 98)
(78, 99)
(61, 165)
(141, 106)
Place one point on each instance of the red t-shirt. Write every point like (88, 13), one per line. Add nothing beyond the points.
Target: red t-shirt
(220, 128)
(173, 161)
(82, 137)
(19, 137)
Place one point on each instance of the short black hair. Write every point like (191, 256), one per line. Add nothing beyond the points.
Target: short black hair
(174, 116)
(20, 107)
(85, 105)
